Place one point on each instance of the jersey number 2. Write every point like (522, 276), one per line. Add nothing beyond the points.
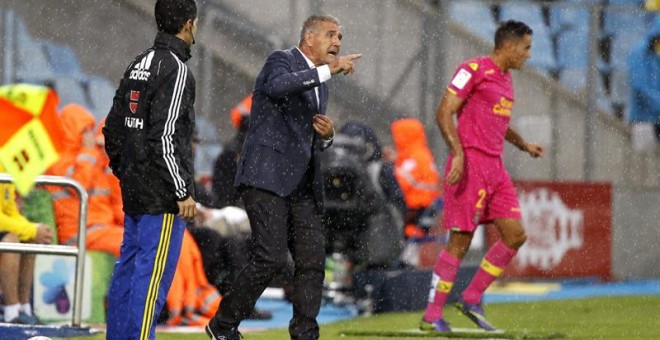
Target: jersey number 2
(482, 196)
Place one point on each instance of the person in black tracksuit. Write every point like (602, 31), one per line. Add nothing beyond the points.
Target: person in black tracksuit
(148, 136)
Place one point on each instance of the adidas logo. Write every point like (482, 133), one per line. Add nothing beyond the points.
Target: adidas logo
(141, 70)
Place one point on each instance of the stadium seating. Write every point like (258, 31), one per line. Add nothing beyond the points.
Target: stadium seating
(627, 28)
(62, 59)
(560, 47)
(45, 62)
(476, 16)
(32, 61)
(571, 27)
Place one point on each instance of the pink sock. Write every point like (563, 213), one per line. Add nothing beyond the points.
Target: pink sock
(444, 275)
(497, 258)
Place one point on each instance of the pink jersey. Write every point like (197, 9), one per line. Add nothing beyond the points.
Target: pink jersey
(488, 93)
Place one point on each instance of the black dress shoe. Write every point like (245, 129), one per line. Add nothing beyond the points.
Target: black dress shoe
(216, 333)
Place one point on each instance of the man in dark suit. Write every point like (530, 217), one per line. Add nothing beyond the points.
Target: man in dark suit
(280, 180)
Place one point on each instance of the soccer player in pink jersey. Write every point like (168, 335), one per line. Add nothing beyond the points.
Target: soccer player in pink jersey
(478, 188)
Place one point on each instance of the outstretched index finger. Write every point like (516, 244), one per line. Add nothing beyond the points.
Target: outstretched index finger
(352, 57)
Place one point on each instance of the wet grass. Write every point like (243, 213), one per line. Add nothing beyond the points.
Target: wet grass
(595, 318)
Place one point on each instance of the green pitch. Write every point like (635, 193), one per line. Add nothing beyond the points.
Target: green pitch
(456, 333)
(620, 318)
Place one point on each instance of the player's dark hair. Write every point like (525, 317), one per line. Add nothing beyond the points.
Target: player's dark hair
(511, 30)
(311, 24)
(171, 15)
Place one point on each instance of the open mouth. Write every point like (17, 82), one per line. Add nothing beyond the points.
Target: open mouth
(334, 53)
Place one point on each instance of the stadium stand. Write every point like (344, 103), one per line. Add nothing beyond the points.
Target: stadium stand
(560, 41)
(475, 15)
(32, 60)
(46, 62)
(570, 28)
(62, 59)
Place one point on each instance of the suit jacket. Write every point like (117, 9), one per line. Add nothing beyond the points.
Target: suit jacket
(281, 142)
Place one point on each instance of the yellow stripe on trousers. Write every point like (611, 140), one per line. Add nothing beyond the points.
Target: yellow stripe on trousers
(156, 275)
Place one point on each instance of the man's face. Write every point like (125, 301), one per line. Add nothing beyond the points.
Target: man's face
(325, 43)
(519, 51)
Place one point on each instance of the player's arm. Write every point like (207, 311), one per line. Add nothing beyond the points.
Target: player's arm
(449, 105)
(516, 139)
(114, 131)
(166, 122)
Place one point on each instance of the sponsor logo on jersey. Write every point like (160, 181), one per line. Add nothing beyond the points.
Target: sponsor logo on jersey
(141, 70)
(461, 78)
(474, 66)
(503, 108)
(134, 123)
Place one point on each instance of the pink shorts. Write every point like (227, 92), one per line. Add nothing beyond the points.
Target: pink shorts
(484, 193)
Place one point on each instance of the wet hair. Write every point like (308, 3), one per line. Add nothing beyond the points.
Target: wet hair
(171, 15)
(511, 30)
(311, 24)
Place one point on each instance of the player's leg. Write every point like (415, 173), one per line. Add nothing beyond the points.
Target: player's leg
(496, 259)
(444, 275)
(9, 269)
(463, 206)
(159, 245)
(504, 211)
(120, 284)
(26, 277)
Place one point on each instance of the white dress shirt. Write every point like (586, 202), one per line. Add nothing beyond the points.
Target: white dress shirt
(324, 74)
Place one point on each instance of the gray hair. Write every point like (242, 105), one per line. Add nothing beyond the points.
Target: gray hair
(311, 24)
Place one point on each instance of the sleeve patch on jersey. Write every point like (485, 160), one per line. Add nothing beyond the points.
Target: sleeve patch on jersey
(461, 78)
(474, 66)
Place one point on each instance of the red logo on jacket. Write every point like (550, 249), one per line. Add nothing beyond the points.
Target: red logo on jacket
(135, 97)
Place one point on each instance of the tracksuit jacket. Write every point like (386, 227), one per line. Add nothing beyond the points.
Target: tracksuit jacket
(149, 129)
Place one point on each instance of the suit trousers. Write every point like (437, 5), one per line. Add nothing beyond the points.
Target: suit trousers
(280, 224)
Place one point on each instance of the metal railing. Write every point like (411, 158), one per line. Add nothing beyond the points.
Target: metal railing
(78, 250)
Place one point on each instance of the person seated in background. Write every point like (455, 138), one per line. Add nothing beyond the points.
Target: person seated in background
(418, 177)
(16, 269)
(110, 192)
(84, 162)
(644, 79)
